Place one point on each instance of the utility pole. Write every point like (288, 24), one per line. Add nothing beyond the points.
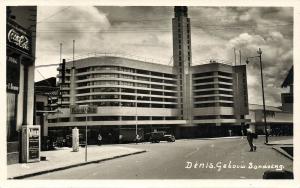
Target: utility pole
(240, 57)
(234, 57)
(263, 93)
(86, 142)
(73, 51)
(262, 88)
(136, 119)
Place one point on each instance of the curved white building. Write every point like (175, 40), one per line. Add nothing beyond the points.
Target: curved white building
(124, 93)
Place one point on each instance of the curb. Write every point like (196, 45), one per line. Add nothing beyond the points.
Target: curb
(73, 165)
(214, 138)
(278, 144)
(279, 150)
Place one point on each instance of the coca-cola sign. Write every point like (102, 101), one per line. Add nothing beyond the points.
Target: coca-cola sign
(18, 37)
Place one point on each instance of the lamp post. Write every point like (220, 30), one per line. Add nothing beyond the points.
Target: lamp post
(86, 120)
(262, 88)
(136, 121)
(85, 108)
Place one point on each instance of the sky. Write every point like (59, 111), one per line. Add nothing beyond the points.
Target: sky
(145, 32)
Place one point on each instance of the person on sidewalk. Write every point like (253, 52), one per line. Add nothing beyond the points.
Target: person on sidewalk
(250, 136)
(137, 139)
(99, 139)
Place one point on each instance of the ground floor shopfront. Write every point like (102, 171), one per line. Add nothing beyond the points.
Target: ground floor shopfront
(275, 129)
(110, 134)
(62, 136)
(19, 86)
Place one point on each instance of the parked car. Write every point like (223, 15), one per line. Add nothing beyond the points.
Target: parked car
(156, 137)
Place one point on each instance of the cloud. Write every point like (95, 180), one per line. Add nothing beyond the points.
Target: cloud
(63, 25)
(276, 57)
(146, 32)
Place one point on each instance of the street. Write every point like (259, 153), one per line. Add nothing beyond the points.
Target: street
(184, 159)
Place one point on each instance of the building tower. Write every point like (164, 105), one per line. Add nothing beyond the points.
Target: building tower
(182, 57)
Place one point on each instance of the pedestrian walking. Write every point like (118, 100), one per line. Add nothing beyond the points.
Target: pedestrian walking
(250, 137)
(137, 139)
(99, 139)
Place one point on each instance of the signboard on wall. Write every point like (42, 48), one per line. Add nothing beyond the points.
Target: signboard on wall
(31, 144)
(18, 37)
(12, 73)
(83, 109)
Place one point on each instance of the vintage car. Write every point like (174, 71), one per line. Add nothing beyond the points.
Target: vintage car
(156, 137)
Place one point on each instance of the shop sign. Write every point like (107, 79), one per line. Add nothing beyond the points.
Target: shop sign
(12, 74)
(84, 109)
(31, 145)
(18, 37)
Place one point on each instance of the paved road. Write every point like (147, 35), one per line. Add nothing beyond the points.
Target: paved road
(172, 161)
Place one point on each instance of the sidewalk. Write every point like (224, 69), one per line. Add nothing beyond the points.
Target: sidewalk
(281, 142)
(64, 158)
(283, 146)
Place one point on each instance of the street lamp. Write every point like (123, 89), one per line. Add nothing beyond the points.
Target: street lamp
(136, 121)
(85, 109)
(262, 88)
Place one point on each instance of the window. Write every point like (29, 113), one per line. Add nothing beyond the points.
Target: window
(156, 99)
(206, 92)
(126, 90)
(142, 72)
(204, 105)
(224, 86)
(157, 118)
(125, 69)
(83, 91)
(157, 106)
(225, 92)
(204, 80)
(81, 98)
(81, 77)
(170, 106)
(105, 89)
(156, 93)
(104, 75)
(143, 78)
(143, 85)
(156, 86)
(106, 82)
(206, 99)
(124, 83)
(226, 98)
(203, 74)
(142, 98)
(143, 91)
(170, 100)
(225, 80)
(128, 97)
(106, 103)
(126, 76)
(105, 97)
(226, 104)
(128, 118)
(208, 86)
(82, 84)
(224, 74)
(170, 88)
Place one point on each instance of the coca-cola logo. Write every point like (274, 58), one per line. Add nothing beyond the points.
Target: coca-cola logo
(18, 39)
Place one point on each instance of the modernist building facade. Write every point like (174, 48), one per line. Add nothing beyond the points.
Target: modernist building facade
(126, 92)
